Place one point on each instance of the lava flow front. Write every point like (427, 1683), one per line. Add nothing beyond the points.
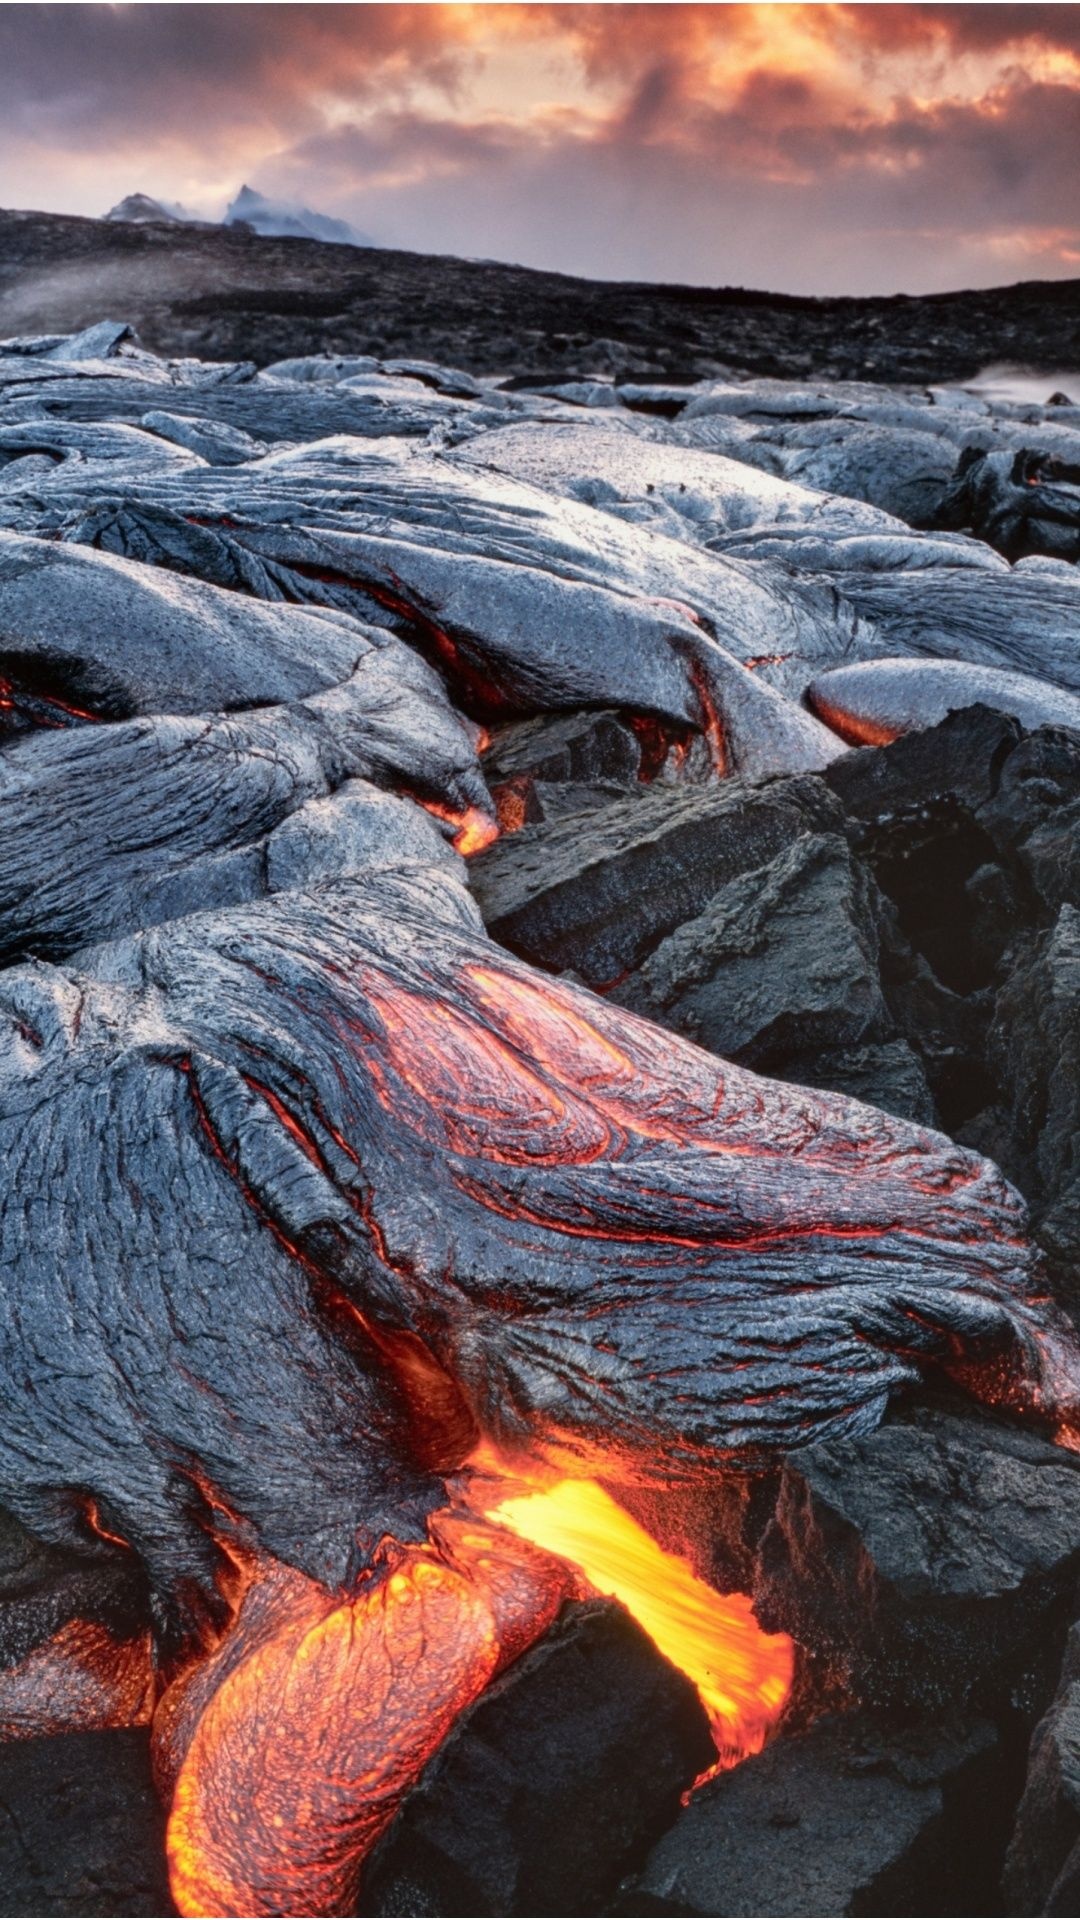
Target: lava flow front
(292, 1748)
(742, 1674)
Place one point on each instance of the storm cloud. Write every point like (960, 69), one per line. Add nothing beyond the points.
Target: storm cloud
(803, 148)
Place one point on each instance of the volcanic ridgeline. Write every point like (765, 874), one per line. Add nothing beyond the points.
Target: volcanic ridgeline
(227, 293)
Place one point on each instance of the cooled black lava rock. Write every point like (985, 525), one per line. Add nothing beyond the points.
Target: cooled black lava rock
(42, 1588)
(854, 1817)
(592, 746)
(1022, 502)
(598, 894)
(932, 1565)
(926, 816)
(959, 760)
(1035, 1050)
(783, 956)
(885, 1073)
(553, 1785)
(82, 1830)
(1033, 816)
(1042, 1868)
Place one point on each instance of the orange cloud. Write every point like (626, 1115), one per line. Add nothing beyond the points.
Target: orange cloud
(824, 147)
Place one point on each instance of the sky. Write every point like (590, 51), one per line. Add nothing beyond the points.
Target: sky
(804, 149)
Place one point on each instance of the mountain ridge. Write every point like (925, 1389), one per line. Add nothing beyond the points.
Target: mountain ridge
(231, 293)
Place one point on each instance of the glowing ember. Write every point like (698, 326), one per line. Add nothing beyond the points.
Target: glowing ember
(742, 1674)
(475, 830)
(857, 730)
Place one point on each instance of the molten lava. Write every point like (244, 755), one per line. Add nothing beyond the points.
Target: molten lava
(318, 1713)
(856, 729)
(742, 1674)
(293, 1745)
(474, 830)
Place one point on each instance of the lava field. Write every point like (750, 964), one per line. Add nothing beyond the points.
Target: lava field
(539, 1141)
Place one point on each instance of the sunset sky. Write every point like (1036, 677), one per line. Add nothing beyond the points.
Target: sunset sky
(816, 149)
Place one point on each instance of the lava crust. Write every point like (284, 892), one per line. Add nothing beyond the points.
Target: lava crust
(333, 1232)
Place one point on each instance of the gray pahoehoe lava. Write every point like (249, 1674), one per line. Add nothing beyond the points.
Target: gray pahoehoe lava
(283, 1131)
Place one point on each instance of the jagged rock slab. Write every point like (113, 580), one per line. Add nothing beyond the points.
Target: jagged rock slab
(1035, 1049)
(81, 1828)
(961, 1540)
(1022, 502)
(958, 760)
(1034, 815)
(1042, 1867)
(597, 895)
(783, 956)
(854, 1817)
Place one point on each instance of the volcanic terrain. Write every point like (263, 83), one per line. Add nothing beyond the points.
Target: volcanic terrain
(540, 1092)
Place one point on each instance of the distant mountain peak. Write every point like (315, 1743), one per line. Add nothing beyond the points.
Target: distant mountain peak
(283, 217)
(139, 208)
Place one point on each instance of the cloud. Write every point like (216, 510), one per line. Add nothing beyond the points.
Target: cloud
(824, 148)
(87, 74)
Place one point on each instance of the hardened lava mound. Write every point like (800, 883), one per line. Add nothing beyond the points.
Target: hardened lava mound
(530, 925)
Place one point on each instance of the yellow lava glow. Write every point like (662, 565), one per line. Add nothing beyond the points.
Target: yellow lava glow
(742, 1674)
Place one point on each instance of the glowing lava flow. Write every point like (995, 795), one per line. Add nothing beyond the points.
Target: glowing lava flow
(294, 1744)
(742, 1674)
(475, 830)
(856, 729)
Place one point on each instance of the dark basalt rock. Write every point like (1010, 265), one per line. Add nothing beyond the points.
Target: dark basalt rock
(1042, 1867)
(598, 894)
(920, 813)
(553, 1785)
(1034, 815)
(1021, 502)
(591, 746)
(1034, 1047)
(42, 1588)
(960, 1538)
(82, 1830)
(853, 1817)
(959, 761)
(885, 1073)
(946, 1031)
(783, 956)
(552, 765)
